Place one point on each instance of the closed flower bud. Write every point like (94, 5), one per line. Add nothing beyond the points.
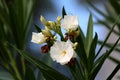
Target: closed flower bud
(42, 19)
(47, 32)
(59, 18)
(45, 49)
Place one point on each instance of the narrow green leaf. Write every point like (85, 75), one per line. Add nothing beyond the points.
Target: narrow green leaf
(115, 4)
(96, 9)
(91, 56)
(114, 72)
(82, 34)
(89, 35)
(29, 75)
(106, 24)
(108, 45)
(46, 70)
(106, 39)
(37, 28)
(80, 50)
(5, 76)
(114, 60)
(63, 12)
(101, 60)
(76, 71)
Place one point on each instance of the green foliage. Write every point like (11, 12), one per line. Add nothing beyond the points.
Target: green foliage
(89, 35)
(15, 16)
(47, 71)
(112, 8)
(29, 75)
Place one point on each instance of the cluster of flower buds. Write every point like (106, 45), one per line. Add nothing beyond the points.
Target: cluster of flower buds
(61, 51)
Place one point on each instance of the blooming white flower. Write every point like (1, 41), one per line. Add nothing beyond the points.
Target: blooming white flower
(62, 52)
(69, 22)
(38, 38)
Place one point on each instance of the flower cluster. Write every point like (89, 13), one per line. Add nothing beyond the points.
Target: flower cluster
(61, 51)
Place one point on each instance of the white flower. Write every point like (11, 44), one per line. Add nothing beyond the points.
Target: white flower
(69, 22)
(62, 52)
(38, 38)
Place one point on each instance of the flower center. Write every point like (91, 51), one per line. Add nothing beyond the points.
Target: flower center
(63, 53)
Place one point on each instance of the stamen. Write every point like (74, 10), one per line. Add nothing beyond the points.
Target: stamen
(63, 53)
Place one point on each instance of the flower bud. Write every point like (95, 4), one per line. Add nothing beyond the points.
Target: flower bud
(59, 18)
(71, 62)
(47, 32)
(45, 49)
(42, 19)
(75, 45)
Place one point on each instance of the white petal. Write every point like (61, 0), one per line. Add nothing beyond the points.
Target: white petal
(69, 22)
(38, 38)
(57, 49)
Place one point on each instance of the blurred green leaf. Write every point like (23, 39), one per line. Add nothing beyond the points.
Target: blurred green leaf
(106, 24)
(63, 12)
(115, 5)
(100, 61)
(5, 76)
(29, 75)
(89, 35)
(47, 71)
(114, 60)
(96, 9)
(114, 72)
(37, 28)
(105, 40)
(109, 45)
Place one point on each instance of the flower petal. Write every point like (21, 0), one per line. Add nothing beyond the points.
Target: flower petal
(38, 38)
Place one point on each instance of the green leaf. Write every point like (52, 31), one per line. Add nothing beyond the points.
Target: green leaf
(91, 56)
(5, 76)
(63, 12)
(114, 60)
(82, 34)
(114, 72)
(106, 39)
(80, 50)
(29, 75)
(109, 45)
(47, 71)
(89, 35)
(37, 28)
(115, 4)
(76, 71)
(99, 62)
(106, 24)
(96, 9)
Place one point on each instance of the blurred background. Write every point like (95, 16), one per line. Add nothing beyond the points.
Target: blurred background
(50, 9)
